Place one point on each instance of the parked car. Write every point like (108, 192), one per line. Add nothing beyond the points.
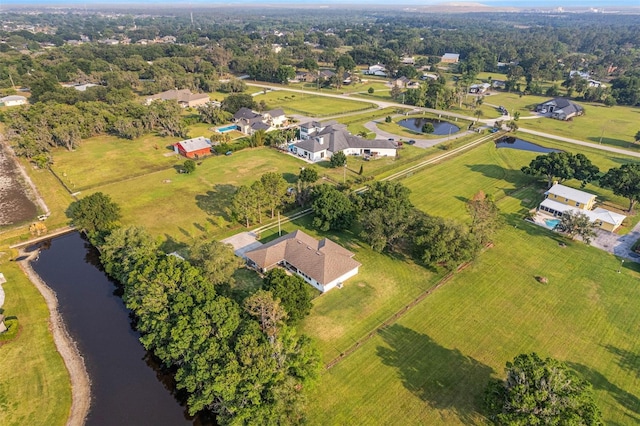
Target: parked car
(228, 153)
(411, 141)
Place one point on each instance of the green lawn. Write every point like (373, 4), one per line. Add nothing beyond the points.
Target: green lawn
(34, 383)
(311, 105)
(105, 159)
(184, 206)
(616, 126)
(432, 366)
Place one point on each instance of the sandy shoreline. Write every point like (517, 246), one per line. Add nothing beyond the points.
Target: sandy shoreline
(80, 383)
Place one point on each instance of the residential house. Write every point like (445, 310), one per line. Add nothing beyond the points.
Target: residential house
(428, 76)
(193, 148)
(498, 84)
(401, 82)
(596, 83)
(378, 70)
(450, 58)
(249, 121)
(479, 88)
(13, 100)
(320, 140)
(560, 199)
(583, 74)
(408, 60)
(305, 76)
(323, 264)
(560, 108)
(184, 97)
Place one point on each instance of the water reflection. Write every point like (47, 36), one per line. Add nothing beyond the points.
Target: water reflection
(515, 143)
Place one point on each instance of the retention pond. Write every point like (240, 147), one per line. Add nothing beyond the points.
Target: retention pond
(440, 127)
(127, 385)
(515, 143)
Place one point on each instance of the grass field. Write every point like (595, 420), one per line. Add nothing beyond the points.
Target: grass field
(34, 384)
(311, 105)
(432, 366)
(108, 159)
(183, 206)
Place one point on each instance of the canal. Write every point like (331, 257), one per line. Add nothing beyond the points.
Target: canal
(127, 386)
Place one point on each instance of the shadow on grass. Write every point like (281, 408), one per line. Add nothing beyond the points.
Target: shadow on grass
(217, 201)
(599, 382)
(494, 171)
(627, 360)
(169, 245)
(444, 378)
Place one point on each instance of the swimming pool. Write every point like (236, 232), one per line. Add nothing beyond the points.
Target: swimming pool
(227, 128)
(552, 223)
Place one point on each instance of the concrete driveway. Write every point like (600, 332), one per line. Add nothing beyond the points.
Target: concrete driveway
(243, 242)
(618, 245)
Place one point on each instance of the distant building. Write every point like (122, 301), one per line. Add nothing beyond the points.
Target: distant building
(479, 88)
(450, 58)
(378, 70)
(249, 121)
(13, 100)
(560, 109)
(184, 97)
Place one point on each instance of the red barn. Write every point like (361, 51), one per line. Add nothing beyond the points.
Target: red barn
(193, 148)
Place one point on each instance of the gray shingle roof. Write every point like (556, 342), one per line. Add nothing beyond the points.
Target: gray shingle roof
(335, 138)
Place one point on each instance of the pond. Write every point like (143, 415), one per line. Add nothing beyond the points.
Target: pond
(15, 204)
(127, 385)
(440, 127)
(515, 143)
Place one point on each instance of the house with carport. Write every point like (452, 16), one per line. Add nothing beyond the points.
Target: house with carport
(321, 263)
(560, 199)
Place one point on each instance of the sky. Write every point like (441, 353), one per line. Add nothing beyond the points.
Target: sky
(527, 4)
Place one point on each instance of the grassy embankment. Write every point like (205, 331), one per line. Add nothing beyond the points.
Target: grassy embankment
(34, 383)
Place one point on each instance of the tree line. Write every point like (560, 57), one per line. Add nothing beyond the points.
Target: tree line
(236, 354)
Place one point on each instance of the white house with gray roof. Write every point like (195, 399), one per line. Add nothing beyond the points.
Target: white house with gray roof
(320, 140)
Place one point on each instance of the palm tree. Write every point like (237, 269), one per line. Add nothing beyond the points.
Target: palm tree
(478, 113)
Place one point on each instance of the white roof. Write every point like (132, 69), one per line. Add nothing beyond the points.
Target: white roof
(570, 193)
(451, 56)
(594, 215)
(13, 98)
(195, 144)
